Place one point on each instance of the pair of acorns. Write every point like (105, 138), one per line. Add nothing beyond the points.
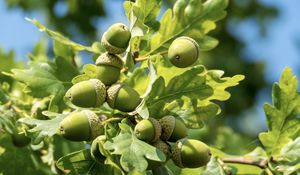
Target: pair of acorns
(185, 153)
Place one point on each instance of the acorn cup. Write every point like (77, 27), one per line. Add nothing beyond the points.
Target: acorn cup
(183, 52)
(148, 130)
(116, 38)
(95, 151)
(87, 94)
(165, 148)
(122, 97)
(173, 128)
(81, 126)
(108, 68)
(190, 153)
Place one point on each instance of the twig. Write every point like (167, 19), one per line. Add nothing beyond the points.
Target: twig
(112, 120)
(240, 160)
(148, 56)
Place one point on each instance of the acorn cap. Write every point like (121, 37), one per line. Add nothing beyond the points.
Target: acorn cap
(183, 52)
(122, 97)
(116, 38)
(148, 130)
(81, 126)
(190, 153)
(110, 60)
(89, 93)
(173, 128)
(164, 147)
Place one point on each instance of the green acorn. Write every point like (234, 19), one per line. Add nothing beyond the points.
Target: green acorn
(122, 97)
(38, 107)
(165, 148)
(183, 52)
(178, 9)
(81, 126)
(20, 139)
(190, 153)
(95, 151)
(116, 38)
(108, 68)
(173, 128)
(148, 130)
(86, 94)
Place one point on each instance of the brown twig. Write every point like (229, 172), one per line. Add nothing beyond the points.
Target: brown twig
(247, 161)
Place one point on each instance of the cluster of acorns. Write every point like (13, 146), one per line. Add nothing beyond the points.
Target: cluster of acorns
(185, 153)
(85, 125)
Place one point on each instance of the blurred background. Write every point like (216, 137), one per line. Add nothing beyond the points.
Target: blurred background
(258, 38)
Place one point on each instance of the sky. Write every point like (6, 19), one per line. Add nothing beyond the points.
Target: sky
(278, 49)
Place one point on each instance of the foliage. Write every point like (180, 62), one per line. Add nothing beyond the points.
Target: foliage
(192, 94)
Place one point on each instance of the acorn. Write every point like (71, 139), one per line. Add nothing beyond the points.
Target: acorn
(116, 38)
(148, 130)
(165, 148)
(38, 107)
(190, 153)
(183, 52)
(122, 97)
(20, 139)
(86, 94)
(173, 128)
(108, 68)
(81, 126)
(95, 151)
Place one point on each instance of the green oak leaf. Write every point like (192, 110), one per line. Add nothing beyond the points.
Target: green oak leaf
(15, 161)
(47, 79)
(288, 162)
(81, 162)
(172, 27)
(62, 39)
(213, 167)
(142, 15)
(283, 116)
(132, 150)
(7, 119)
(43, 128)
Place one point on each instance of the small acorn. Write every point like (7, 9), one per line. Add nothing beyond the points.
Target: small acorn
(190, 153)
(122, 97)
(38, 107)
(165, 148)
(81, 126)
(20, 139)
(173, 128)
(95, 151)
(116, 38)
(148, 130)
(108, 68)
(183, 52)
(86, 94)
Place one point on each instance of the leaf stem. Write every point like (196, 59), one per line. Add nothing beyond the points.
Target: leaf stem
(140, 59)
(114, 119)
(247, 161)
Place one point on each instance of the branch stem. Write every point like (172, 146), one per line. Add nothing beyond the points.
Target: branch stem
(140, 59)
(114, 119)
(241, 160)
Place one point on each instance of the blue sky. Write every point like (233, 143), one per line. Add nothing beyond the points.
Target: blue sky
(277, 49)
